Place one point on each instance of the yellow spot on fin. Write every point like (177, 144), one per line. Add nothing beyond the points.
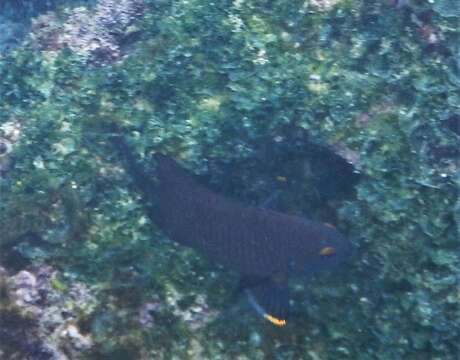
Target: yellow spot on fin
(274, 320)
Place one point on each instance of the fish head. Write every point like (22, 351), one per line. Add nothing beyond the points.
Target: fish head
(321, 248)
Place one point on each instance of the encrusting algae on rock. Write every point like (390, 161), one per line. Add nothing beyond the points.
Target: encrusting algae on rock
(94, 34)
(236, 91)
(39, 321)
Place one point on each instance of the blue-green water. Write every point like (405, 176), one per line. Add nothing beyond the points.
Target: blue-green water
(344, 112)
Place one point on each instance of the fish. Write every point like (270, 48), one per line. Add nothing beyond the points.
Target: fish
(264, 246)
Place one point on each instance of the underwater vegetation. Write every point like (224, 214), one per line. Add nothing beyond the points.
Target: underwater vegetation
(350, 110)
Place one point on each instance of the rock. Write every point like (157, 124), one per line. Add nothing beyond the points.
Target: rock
(10, 133)
(71, 335)
(15, 18)
(146, 318)
(40, 321)
(324, 5)
(95, 35)
(24, 279)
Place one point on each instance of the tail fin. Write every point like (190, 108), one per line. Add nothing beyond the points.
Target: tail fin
(270, 299)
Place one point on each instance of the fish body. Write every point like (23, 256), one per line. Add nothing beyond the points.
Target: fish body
(258, 243)
(247, 239)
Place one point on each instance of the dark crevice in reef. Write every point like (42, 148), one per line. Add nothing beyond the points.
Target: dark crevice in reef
(308, 175)
(10, 255)
(453, 123)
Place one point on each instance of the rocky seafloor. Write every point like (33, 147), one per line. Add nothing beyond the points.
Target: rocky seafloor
(355, 105)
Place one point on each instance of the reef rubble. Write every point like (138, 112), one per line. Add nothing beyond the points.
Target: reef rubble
(40, 315)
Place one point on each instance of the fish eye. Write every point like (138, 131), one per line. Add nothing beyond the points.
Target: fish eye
(327, 251)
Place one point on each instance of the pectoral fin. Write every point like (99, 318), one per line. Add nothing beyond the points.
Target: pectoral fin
(271, 299)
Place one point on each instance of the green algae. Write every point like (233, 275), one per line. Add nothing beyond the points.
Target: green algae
(244, 85)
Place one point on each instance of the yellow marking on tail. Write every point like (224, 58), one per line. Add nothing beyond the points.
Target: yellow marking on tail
(274, 320)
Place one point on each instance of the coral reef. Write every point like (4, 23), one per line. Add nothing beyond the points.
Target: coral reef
(96, 34)
(10, 133)
(324, 4)
(40, 315)
(15, 19)
(254, 97)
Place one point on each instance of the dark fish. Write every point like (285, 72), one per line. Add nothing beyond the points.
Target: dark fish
(265, 246)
